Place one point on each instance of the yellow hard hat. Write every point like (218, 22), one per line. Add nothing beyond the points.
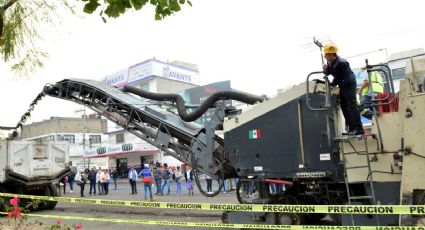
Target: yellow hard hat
(330, 48)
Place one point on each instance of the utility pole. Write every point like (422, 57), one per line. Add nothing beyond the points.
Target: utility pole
(84, 132)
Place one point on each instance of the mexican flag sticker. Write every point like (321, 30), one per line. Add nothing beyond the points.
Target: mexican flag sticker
(255, 134)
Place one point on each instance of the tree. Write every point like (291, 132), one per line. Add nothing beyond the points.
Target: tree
(20, 22)
(115, 8)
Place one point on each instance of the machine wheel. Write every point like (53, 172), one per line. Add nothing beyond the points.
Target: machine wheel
(289, 218)
(242, 189)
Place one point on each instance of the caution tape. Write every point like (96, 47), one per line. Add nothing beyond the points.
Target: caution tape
(331, 209)
(222, 225)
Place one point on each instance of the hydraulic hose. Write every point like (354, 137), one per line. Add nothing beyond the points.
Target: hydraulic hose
(197, 113)
(198, 183)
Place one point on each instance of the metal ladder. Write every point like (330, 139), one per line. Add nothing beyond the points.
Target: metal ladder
(369, 178)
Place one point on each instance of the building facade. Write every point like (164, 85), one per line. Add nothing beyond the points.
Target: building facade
(82, 133)
(122, 148)
(397, 63)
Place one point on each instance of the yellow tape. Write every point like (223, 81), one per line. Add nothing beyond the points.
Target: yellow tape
(220, 225)
(338, 209)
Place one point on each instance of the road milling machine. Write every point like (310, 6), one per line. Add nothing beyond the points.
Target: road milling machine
(294, 139)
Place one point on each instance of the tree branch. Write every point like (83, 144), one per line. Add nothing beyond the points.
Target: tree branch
(9, 4)
(2, 10)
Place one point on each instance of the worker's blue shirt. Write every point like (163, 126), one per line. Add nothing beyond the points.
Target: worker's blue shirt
(342, 73)
(145, 173)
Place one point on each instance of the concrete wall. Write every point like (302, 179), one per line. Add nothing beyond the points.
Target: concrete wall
(64, 125)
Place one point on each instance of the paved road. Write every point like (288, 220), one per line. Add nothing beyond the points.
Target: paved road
(123, 193)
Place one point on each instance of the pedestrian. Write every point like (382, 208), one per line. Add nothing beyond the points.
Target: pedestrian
(81, 181)
(225, 187)
(115, 178)
(236, 181)
(157, 175)
(189, 178)
(166, 179)
(132, 176)
(344, 77)
(252, 186)
(63, 180)
(105, 177)
(209, 182)
(92, 181)
(178, 179)
(272, 188)
(99, 181)
(146, 174)
(71, 179)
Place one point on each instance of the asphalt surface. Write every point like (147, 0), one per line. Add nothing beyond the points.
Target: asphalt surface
(123, 192)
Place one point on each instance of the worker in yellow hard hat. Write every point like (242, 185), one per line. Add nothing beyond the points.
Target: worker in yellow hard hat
(344, 77)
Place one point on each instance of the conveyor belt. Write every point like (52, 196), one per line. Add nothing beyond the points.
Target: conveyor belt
(160, 128)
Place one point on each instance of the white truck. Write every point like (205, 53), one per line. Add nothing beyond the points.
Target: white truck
(33, 168)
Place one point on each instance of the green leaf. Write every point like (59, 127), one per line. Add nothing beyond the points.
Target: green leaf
(125, 4)
(112, 10)
(154, 2)
(159, 9)
(174, 6)
(162, 3)
(182, 1)
(91, 6)
(158, 17)
(189, 2)
(138, 4)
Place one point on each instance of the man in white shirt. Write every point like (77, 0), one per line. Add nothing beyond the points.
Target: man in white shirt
(132, 176)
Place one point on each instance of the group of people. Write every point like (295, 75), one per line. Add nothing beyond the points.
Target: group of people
(97, 178)
(161, 176)
(156, 175)
(67, 180)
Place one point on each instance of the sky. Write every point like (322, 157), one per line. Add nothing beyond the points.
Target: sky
(260, 46)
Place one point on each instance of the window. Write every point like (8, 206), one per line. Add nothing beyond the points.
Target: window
(145, 86)
(66, 137)
(120, 137)
(48, 138)
(95, 139)
(399, 73)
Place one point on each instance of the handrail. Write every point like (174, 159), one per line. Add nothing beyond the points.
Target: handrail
(388, 78)
(328, 94)
(385, 86)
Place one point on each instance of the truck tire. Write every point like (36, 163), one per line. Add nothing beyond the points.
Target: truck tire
(49, 190)
(3, 201)
(53, 191)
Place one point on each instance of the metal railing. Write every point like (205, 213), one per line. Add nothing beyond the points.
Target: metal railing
(327, 92)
